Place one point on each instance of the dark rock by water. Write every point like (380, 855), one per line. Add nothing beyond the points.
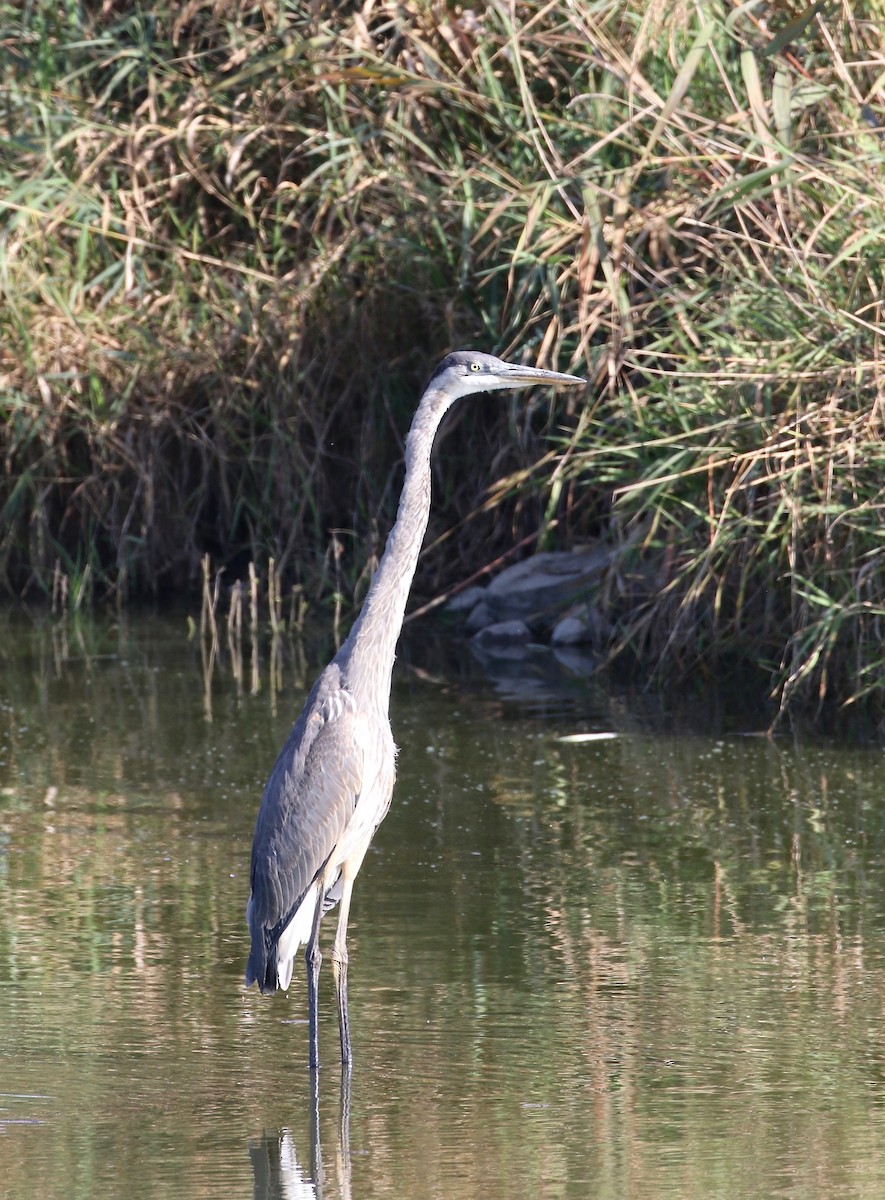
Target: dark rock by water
(547, 597)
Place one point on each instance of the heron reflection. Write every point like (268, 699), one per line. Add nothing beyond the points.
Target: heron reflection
(278, 1171)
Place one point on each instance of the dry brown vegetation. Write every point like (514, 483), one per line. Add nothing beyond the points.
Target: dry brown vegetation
(234, 238)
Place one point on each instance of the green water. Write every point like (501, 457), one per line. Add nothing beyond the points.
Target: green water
(646, 966)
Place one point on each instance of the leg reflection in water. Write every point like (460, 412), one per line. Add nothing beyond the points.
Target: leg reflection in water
(277, 1170)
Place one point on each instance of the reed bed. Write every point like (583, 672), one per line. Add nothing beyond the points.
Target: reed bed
(233, 237)
(255, 624)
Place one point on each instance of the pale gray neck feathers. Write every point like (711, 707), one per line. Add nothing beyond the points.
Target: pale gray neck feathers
(366, 658)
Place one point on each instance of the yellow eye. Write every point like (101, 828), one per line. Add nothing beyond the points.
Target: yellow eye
(475, 366)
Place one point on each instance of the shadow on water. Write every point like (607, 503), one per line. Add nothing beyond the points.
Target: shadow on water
(277, 1169)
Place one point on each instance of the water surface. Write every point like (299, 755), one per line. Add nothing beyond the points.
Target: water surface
(648, 965)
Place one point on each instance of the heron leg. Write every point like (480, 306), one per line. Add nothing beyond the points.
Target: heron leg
(339, 967)
(314, 959)
(318, 1175)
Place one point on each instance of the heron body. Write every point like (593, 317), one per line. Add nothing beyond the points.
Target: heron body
(332, 782)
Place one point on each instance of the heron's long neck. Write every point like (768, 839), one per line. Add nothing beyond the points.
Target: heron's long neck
(369, 652)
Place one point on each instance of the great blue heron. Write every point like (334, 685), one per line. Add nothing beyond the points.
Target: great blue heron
(331, 785)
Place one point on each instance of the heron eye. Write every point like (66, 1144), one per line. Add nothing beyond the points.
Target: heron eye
(475, 366)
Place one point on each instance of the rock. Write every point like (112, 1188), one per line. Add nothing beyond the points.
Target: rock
(504, 631)
(466, 600)
(540, 588)
(480, 616)
(570, 631)
(584, 626)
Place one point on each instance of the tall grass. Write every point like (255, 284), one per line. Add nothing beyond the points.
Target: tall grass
(741, 425)
(235, 235)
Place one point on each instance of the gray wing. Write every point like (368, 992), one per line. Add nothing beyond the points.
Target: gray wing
(307, 804)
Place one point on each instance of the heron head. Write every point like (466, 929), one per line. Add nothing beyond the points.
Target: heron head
(468, 371)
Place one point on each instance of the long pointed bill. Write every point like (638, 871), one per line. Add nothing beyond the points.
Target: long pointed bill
(518, 376)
